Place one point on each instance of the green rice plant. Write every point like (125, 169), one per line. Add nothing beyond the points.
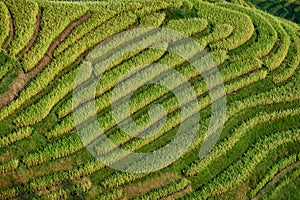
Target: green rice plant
(274, 170)
(238, 132)
(276, 58)
(38, 111)
(234, 175)
(246, 81)
(24, 15)
(149, 7)
(285, 93)
(219, 32)
(152, 20)
(66, 59)
(7, 63)
(188, 26)
(266, 36)
(8, 166)
(63, 127)
(51, 27)
(292, 61)
(159, 193)
(19, 134)
(4, 21)
(65, 193)
(241, 23)
(59, 149)
(119, 178)
(112, 195)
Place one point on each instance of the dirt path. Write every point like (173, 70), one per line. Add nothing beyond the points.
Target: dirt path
(34, 36)
(23, 78)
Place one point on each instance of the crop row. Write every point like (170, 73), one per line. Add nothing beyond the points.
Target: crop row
(169, 102)
(119, 178)
(283, 95)
(229, 73)
(139, 101)
(219, 32)
(133, 145)
(15, 136)
(165, 191)
(41, 183)
(266, 35)
(8, 166)
(100, 14)
(277, 56)
(118, 137)
(102, 102)
(187, 26)
(38, 111)
(242, 24)
(238, 132)
(274, 170)
(65, 193)
(55, 18)
(293, 58)
(149, 7)
(240, 170)
(59, 149)
(4, 21)
(24, 15)
(67, 58)
(152, 20)
(169, 60)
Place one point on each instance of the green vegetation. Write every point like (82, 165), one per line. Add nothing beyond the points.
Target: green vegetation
(45, 44)
(289, 9)
(24, 14)
(4, 19)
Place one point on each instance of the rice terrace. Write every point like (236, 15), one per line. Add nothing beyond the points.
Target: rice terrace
(150, 99)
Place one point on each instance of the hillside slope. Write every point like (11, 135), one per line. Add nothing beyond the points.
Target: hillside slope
(44, 44)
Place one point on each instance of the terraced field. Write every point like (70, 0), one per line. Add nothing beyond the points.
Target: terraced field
(46, 43)
(288, 9)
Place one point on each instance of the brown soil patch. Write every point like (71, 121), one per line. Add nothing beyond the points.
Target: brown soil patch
(179, 194)
(22, 176)
(137, 189)
(7, 156)
(34, 36)
(23, 78)
(5, 181)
